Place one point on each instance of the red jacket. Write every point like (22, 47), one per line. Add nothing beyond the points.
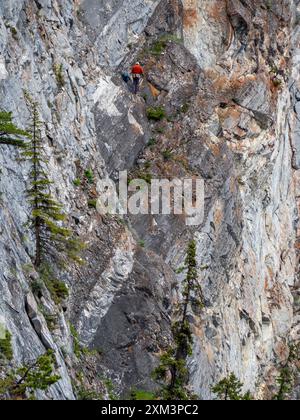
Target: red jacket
(137, 69)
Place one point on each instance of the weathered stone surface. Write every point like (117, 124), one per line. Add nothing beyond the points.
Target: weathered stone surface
(121, 126)
(113, 26)
(167, 19)
(139, 314)
(206, 30)
(227, 121)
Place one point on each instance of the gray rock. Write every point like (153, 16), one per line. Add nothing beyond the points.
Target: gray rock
(226, 123)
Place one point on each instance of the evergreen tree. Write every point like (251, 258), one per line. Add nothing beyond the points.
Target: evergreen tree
(24, 381)
(286, 379)
(172, 370)
(285, 383)
(230, 389)
(52, 239)
(9, 133)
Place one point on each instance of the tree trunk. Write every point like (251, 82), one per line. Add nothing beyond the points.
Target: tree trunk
(37, 221)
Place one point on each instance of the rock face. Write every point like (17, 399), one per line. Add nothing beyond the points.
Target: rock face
(227, 75)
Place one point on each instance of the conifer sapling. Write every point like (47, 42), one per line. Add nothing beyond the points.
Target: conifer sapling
(22, 382)
(52, 238)
(173, 362)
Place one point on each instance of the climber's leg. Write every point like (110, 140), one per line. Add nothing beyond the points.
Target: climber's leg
(136, 82)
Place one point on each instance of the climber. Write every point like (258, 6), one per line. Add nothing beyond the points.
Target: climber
(137, 73)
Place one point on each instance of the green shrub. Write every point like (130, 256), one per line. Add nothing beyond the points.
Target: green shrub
(89, 176)
(152, 142)
(51, 321)
(58, 289)
(84, 394)
(159, 46)
(145, 177)
(110, 389)
(285, 382)
(268, 4)
(140, 395)
(184, 109)
(78, 350)
(6, 347)
(277, 82)
(92, 204)
(14, 32)
(77, 182)
(59, 75)
(37, 287)
(156, 113)
(167, 154)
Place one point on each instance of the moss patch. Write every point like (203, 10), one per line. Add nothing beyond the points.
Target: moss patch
(156, 113)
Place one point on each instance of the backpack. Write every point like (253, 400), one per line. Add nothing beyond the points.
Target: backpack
(125, 76)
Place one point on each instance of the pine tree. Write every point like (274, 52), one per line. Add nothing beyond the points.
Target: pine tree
(52, 239)
(285, 383)
(230, 389)
(286, 379)
(9, 133)
(173, 362)
(22, 383)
